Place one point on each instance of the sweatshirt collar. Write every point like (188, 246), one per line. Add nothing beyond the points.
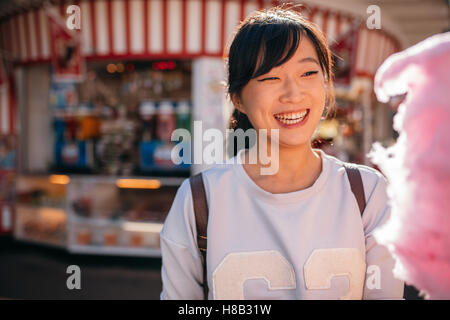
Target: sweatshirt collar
(281, 198)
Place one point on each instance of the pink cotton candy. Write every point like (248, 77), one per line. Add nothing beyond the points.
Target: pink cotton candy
(418, 165)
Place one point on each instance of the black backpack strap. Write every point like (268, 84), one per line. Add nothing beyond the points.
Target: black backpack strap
(201, 221)
(354, 176)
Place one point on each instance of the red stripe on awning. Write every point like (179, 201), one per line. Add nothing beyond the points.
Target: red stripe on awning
(203, 28)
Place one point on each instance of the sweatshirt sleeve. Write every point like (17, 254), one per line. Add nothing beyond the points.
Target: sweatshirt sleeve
(181, 271)
(380, 281)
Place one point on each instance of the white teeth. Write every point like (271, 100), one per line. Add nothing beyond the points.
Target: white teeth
(291, 121)
(291, 116)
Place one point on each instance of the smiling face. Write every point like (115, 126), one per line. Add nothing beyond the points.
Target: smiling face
(290, 97)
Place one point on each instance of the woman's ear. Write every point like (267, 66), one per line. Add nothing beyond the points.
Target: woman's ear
(237, 102)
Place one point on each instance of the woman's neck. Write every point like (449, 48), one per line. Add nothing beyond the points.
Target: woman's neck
(298, 168)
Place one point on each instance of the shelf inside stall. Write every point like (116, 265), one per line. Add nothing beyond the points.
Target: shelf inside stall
(121, 251)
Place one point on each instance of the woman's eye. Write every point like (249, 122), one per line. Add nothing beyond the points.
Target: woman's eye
(309, 73)
(270, 78)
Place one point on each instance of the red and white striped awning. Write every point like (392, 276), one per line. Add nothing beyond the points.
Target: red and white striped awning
(373, 47)
(133, 29)
(149, 28)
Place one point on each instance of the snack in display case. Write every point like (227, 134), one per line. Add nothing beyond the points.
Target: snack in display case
(83, 236)
(135, 240)
(43, 225)
(40, 210)
(111, 237)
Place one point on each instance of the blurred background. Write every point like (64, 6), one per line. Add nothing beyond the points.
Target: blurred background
(89, 95)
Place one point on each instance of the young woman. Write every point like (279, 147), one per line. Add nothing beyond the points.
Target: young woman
(294, 234)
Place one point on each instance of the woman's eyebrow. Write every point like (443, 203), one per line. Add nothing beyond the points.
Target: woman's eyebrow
(309, 59)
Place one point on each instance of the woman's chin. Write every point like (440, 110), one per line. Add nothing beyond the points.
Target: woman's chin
(294, 143)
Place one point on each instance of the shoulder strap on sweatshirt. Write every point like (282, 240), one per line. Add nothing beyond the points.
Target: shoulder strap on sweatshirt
(201, 221)
(354, 176)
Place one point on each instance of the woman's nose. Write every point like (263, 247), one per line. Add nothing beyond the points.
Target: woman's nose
(292, 91)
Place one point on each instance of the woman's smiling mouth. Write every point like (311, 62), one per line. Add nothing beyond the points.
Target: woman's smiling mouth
(292, 119)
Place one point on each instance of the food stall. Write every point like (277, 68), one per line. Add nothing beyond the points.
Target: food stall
(95, 106)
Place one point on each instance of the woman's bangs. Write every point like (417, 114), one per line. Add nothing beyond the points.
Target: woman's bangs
(277, 36)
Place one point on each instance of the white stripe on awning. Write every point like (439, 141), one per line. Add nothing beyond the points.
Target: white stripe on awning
(156, 26)
(232, 17)
(331, 28)
(118, 26)
(22, 39)
(101, 24)
(174, 28)
(137, 26)
(250, 7)
(33, 36)
(5, 108)
(86, 35)
(213, 21)
(318, 19)
(194, 26)
(362, 49)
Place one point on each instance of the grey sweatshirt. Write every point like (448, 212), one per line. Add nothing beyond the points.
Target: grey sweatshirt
(307, 244)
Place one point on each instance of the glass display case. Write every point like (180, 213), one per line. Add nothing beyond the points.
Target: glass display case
(118, 216)
(94, 214)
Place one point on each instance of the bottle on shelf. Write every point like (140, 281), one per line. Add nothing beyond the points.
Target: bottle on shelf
(184, 115)
(147, 111)
(166, 121)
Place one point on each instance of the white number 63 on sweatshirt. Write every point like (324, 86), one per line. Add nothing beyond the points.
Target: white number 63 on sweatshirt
(321, 266)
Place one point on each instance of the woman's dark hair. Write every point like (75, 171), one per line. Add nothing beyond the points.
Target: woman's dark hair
(255, 50)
